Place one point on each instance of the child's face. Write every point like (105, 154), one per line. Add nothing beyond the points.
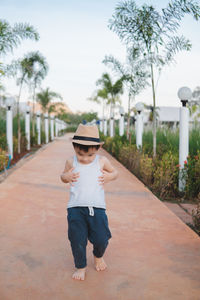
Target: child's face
(85, 157)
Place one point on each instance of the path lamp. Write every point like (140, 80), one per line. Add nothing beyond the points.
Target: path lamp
(46, 127)
(56, 125)
(9, 127)
(139, 124)
(132, 119)
(38, 127)
(121, 121)
(27, 127)
(59, 127)
(101, 125)
(184, 95)
(52, 128)
(111, 125)
(105, 127)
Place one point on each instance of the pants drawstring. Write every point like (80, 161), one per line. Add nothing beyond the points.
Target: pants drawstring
(91, 211)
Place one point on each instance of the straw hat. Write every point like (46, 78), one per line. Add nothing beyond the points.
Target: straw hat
(87, 135)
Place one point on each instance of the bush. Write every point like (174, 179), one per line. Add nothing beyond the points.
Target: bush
(192, 176)
(196, 217)
(161, 175)
(165, 175)
(3, 160)
(3, 142)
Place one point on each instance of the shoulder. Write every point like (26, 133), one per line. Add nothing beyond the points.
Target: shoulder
(103, 161)
(102, 158)
(69, 164)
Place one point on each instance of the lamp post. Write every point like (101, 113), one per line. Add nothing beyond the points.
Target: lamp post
(101, 125)
(27, 127)
(52, 128)
(121, 121)
(112, 124)
(38, 127)
(105, 127)
(9, 127)
(46, 127)
(56, 125)
(184, 95)
(139, 124)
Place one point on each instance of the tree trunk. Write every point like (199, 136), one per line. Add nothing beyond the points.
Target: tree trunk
(103, 113)
(154, 113)
(128, 120)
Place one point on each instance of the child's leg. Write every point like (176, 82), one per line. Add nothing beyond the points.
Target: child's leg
(98, 252)
(78, 234)
(99, 249)
(99, 234)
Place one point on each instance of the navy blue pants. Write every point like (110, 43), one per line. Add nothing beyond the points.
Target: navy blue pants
(83, 227)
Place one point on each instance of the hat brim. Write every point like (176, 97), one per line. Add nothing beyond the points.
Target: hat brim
(87, 143)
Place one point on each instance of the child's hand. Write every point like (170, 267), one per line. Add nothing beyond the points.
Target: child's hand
(71, 177)
(104, 178)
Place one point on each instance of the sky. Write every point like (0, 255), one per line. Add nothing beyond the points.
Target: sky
(74, 38)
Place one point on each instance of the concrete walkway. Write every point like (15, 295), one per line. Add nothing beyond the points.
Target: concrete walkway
(152, 255)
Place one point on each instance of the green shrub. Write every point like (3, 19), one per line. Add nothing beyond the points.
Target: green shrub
(165, 175)
(192, 176)
(3, 142)
(196, 217)
(3, 160)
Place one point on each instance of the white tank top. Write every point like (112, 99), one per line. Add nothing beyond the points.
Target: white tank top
(87, 191)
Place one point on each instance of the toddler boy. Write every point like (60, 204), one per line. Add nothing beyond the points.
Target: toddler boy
(86, 173)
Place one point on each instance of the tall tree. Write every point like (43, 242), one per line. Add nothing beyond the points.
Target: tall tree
(154, 33)
(39, 72)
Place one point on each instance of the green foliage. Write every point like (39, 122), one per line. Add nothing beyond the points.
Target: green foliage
(75, 119)
(159, 174)
(11, 37)
(194, 141)
(165, 175)
(71, 128)
(192, 176)
(153, 31)
(196, 218)
(45, 97)
(2, 126)
(3, 160)
(112, 90)
(3, 142)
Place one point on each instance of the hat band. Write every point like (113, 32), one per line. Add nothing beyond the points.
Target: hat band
(84, 138)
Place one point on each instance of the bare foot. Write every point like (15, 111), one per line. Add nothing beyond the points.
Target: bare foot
(79, 274)
(100, 264)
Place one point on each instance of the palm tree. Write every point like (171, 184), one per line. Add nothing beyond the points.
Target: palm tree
(27, 67)
(40, 69)
(2, 96)
(100, 96)
(45, 97)
(134, 73)
(153, 32)
(24, 67)
(113, 90)
(11, 37)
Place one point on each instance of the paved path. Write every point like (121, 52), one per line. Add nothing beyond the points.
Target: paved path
(152, 255)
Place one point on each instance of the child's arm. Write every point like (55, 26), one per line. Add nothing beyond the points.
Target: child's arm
(109, 172)
(68, 176)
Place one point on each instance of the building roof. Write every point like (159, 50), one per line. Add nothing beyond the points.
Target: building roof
(168, 113)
